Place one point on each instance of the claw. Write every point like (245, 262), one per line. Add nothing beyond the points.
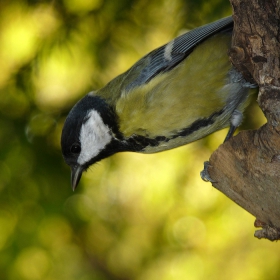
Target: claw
(204, 173)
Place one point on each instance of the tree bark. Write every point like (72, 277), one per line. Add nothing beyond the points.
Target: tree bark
(247, 167)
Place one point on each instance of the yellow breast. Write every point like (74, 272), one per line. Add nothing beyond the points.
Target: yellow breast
(192, 90)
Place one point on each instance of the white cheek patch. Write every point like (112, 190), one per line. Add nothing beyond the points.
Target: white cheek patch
(94, 136)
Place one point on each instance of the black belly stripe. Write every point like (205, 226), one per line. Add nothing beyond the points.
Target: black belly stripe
(139, 142)
(195, 126)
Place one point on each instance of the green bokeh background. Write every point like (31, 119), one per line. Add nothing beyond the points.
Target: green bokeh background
(141, 217)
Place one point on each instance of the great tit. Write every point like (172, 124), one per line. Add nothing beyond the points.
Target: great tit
(176, 94)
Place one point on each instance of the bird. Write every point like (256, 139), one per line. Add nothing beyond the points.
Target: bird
(174, 95)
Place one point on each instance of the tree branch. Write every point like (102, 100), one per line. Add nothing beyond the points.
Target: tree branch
(247, 167)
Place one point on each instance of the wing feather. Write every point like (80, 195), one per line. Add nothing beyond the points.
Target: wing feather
(168, 56)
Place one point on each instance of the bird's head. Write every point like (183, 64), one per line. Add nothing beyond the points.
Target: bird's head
(90, 133)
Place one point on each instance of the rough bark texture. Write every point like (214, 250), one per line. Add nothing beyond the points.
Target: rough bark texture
(247, 167)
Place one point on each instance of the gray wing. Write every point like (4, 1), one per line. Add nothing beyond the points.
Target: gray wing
(168, 56)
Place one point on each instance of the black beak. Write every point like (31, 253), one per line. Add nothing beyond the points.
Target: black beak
(76, 175)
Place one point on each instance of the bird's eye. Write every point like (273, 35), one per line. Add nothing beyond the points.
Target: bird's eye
(75, 149)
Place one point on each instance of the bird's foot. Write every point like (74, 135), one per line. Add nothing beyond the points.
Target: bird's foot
(204, 173)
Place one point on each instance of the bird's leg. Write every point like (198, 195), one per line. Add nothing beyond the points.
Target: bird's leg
(235, 121)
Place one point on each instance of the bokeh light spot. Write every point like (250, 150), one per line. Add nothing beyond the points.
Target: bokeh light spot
(32, 263)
